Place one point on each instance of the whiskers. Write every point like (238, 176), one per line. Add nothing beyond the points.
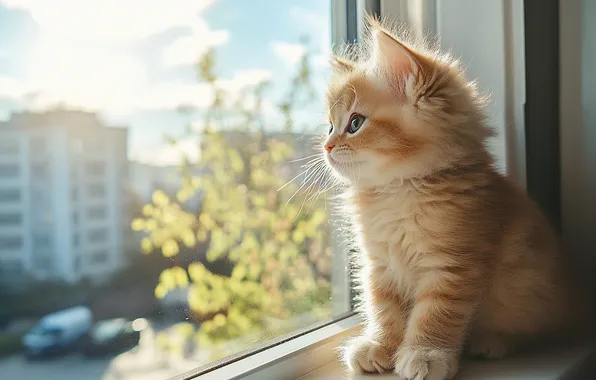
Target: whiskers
(314, 180)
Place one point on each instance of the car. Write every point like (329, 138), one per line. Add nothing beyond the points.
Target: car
(112, 337)
(57, 333)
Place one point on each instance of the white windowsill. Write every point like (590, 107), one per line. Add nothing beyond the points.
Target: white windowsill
(313, 356)
(553, 365)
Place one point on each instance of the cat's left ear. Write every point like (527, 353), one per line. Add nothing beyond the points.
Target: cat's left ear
(392, 57)
(341, 65)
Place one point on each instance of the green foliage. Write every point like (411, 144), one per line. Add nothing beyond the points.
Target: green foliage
(280, 254)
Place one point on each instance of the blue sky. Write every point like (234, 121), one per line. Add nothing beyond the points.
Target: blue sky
(133, 62)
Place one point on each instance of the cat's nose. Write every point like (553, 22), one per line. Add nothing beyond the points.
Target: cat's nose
(329, 147)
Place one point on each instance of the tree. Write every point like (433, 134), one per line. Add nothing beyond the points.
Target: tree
(280, 253)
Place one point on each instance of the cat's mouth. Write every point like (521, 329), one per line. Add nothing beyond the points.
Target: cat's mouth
(342, 162)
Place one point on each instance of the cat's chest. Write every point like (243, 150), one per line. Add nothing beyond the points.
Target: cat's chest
(393, 237)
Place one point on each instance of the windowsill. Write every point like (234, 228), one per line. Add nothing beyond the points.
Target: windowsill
(313, 356)
(545, 366)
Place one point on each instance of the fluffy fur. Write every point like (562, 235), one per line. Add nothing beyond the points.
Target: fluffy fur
(452, 253)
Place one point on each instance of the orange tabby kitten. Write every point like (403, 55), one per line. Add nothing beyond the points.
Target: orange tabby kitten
(452, 251)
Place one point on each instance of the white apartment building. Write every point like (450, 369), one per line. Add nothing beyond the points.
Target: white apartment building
(62, 199)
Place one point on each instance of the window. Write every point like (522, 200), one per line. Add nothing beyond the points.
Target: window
(98, 257)
(8, 146)
(40, 171)
(95, 168)
(10, 268)
(97, 235)
(10, 195)
(12, 219)
(41, 242)
(230, 240)
(219, 138)
(95, 213)
(44, 263)
(96, 191)
(10, 242)
(8, 171)
(37, 146)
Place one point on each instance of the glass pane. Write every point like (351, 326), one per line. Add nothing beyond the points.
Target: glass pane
(146, 227)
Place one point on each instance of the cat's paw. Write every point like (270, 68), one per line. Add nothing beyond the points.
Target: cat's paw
(490, 346)
(420, 363)
(363, 355)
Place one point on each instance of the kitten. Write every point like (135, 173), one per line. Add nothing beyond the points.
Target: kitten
(453, 253)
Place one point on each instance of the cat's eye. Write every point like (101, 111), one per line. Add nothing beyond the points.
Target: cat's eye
(330, 128)
(356, 122)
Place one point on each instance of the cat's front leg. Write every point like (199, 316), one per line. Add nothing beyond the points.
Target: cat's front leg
(383, 333)
(436, 327)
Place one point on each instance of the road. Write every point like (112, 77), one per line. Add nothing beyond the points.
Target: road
(70, 367)
(145, 362)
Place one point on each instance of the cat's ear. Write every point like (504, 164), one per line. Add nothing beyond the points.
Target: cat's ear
(341, 65)
(391, 56)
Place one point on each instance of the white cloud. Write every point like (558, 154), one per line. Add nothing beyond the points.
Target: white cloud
(84, 76)
(244, 78)
(169, 154)
(186, 49)
(82, 57)
(109, 20)
(11, 89)
(170, 95)
(288, 52)
(318, 29)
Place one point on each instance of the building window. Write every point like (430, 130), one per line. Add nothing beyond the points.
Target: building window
(10, 195)
(96, 190)
(10, 242)
(44, 263)
(75, 218)
(41, 241)
(97, 235)
(9, 147)
(37, 145)
(95, 168)
(11, 268)
(75, 240)
(12, 219)
(98, 257)
(9, 170)
(96, 213)
(75, 194)
(40, 170)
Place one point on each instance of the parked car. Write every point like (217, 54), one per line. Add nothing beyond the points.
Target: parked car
(112, 337)
(58, 332)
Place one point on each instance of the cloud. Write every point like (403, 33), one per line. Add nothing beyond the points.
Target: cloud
(170, 95)
(244, 78)
(83, 56)
(90, 77)
(288, 52)
(317, 27)
(186, 49)
(114, 21)
(11, 89)
(169, 154)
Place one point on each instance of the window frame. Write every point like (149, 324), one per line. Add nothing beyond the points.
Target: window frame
(302, 353)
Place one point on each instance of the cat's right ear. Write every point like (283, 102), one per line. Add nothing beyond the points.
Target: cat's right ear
(341, 65)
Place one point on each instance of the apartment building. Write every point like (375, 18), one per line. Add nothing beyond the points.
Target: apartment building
(62, 204)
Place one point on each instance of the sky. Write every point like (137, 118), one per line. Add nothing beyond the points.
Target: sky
(132, 61)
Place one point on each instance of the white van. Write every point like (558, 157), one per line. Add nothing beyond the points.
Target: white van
(58, 332)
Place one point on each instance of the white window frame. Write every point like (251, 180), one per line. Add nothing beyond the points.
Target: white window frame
(502, 73)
